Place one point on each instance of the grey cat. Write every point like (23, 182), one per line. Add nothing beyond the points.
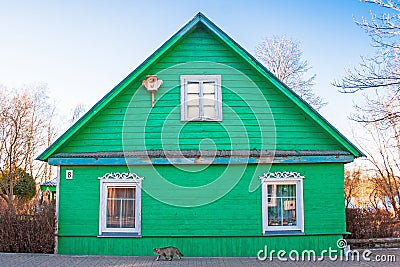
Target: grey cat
(168, 251)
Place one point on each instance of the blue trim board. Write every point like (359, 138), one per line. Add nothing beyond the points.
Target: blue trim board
(201, 160)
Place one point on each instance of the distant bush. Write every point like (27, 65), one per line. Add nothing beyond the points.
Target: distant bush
(32, 233)
(25, 187)
(371, 224)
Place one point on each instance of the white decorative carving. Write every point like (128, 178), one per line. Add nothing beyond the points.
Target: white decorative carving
(282, 175)
(121, 176)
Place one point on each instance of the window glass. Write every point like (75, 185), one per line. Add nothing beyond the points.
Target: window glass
(193, 88)
(192, 112)
(209, 112)
(208, 100)
(200, 100)
(208, 87)
(282, 205)
(193, 99)
(120, 207)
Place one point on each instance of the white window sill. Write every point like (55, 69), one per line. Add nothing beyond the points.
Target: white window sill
(119, 235)
(283, 232)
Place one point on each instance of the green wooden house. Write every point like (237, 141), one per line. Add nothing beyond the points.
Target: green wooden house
(202, 148)
(48, 189)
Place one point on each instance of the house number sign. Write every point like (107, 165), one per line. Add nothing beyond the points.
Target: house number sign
(69, 174)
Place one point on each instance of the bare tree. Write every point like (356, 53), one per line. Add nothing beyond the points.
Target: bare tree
(380, 138)
(379, 115)
(352, 181)
(359, 187)
(385, 179)
(381, 141)
(383, 69)
(25, 129)
(282, 57)
(78, 111)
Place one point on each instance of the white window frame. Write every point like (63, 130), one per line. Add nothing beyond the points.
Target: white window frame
(122, 180)
(283, 178)
(218, 96)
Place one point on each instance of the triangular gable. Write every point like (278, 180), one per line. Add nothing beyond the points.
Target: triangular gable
(200, 18)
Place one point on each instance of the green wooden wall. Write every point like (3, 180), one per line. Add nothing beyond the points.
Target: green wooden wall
(236, 214)
(255, 114)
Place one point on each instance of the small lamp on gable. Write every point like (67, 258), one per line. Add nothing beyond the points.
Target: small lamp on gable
(152, 83)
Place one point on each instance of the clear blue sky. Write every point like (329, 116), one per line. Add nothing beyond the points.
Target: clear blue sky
(82, 49)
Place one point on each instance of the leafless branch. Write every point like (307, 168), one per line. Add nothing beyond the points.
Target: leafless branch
(282, 57)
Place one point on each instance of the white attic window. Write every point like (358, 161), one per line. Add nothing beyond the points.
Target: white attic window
(201, 98)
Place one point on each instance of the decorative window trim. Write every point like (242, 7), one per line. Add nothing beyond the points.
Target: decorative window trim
(218, 96)
(121, 176)
(282, 175)
(282, 178)
(123, 180)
